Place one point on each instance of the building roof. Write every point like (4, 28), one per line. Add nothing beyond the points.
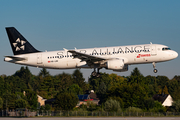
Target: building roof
(50, 100)
(83, 97)
(91, 95)
(160, 98)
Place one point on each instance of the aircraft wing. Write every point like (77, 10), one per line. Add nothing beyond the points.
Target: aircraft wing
(86, 57)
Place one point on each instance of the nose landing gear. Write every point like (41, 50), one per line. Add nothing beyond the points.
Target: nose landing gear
(154, 66)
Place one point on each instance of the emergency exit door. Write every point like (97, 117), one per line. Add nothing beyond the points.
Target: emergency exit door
(39, 59)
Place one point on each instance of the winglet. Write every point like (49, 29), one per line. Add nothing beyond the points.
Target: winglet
(65, 49)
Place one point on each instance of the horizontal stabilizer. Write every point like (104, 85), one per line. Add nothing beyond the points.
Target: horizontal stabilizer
(16, 58)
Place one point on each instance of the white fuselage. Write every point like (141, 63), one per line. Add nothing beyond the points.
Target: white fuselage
(135, 54)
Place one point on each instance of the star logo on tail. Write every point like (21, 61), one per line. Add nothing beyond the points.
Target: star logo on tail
(19, 44)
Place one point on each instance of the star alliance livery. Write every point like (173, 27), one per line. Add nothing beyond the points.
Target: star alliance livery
(112, 58)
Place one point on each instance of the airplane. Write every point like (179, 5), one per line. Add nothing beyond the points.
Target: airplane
(116, 58)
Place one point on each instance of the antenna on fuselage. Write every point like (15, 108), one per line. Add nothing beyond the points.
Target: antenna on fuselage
(150, 42)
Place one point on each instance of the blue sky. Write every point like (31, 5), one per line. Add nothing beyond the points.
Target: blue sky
(57, 24)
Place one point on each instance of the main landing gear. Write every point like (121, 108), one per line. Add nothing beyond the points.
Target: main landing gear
(154, 66)
(96, 74)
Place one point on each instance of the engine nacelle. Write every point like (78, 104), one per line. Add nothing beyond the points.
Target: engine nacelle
(125, 68)
(117, 64)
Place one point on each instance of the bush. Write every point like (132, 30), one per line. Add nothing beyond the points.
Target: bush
(133, 109)
(157, 107)
(176, 106)
(21, 103)
(112, 105)
(66, 101)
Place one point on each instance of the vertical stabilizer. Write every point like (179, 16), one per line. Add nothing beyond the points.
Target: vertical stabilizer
(18, 43)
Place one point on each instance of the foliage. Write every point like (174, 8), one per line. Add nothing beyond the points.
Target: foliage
(44, 73)
(176, 106)
(101, 92)
(117, 99)
(112, 105)
(133, 90)
(132, 95)
(32, 99)
(74, 88)
(9, 100)
(1, 103)
(133, 109)
(47, 107)
(91, 106)
(157, 107)
(78, 79)
(66, 101)
(94, 82)
(21, 103)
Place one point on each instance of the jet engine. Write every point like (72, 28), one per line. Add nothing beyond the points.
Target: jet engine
(117, 64)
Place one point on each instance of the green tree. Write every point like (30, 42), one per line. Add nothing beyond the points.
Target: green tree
(101, 92)
(176, 106)
(162, 81)
(1, 103)
(63, 81)
(174, 87)
(95, 82)
(165, 90)
(136, 77)
(116, 80)
(78, 79)
(24, 74)
(157, 107)
(44, 73)
(21, 103)
(8, 100)
(66, 101)
(2, 85)
(112, 105)
(117, 99)
(149, 104)
(136, 72)
(133, 110)
(131, 94)
(74, 88)
(47, 107)
(32, 99)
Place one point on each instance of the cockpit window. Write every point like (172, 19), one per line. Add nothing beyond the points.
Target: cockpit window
(166, 49)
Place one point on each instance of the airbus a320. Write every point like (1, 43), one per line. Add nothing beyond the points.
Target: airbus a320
(116, 58)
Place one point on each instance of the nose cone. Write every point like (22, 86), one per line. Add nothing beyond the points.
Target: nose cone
(175, 54)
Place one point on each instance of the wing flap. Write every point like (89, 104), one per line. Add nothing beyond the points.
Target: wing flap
(86, 57)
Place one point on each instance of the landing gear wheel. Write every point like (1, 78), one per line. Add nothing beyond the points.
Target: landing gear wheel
(93, 73)
(155, 70)
(98, 75)
(154, 66)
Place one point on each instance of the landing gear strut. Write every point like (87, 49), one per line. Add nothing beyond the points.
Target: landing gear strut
(154, 66)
